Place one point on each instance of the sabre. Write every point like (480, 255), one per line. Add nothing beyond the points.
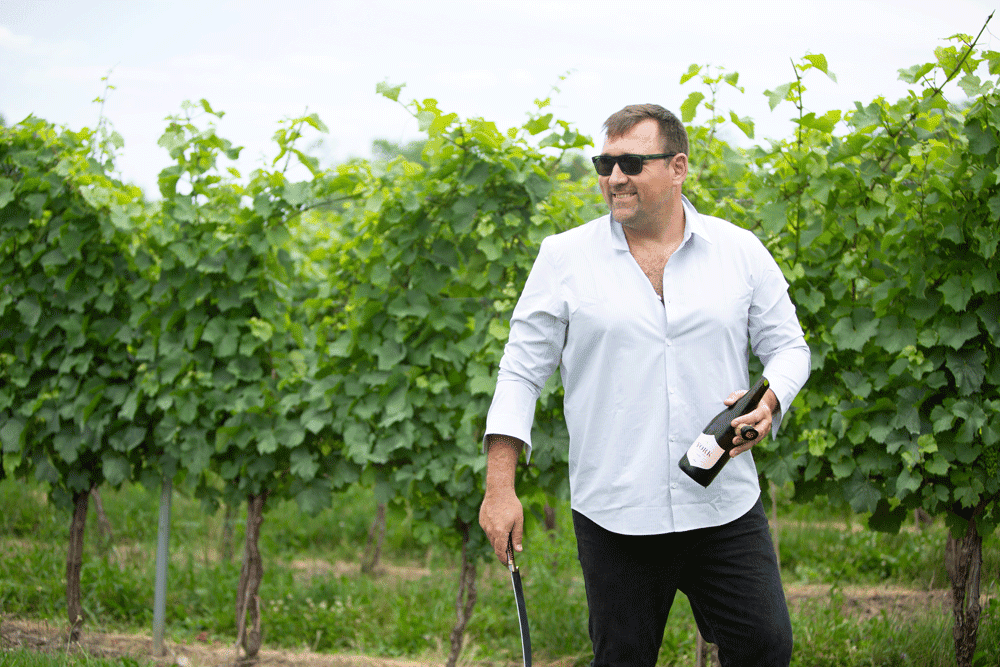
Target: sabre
(522, 613)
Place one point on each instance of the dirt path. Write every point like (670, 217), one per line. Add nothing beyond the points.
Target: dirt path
(863, 602)
(47, 637)
(868, 601)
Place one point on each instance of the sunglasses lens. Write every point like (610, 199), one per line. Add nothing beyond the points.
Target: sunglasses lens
(630, 164)
(604, 165)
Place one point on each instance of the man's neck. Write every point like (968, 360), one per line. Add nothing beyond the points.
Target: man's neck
(665, 231)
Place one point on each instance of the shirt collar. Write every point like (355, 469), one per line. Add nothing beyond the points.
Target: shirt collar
(693, 224)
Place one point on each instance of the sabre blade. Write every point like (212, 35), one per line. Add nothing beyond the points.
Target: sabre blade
(522, 612)
(522, 617)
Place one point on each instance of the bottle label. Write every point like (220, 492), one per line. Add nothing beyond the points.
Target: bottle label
(705, 452)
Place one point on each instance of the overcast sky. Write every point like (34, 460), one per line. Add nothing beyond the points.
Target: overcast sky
(263, 61)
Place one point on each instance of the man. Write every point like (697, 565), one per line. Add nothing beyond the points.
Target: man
(649, 313)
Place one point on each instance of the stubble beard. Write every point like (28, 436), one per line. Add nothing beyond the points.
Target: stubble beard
(631, 217)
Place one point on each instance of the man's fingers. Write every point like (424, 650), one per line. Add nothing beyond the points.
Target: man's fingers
(512, 537)
(501, 517)
(759, 421)
(735, 396)
(499, 538)
(500, 547)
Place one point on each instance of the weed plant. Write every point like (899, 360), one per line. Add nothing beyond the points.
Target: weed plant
(314, 596)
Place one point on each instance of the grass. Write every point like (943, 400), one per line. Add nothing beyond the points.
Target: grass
(310, 603)
(25, 658)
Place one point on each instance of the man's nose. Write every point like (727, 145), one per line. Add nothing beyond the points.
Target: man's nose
(617, 175)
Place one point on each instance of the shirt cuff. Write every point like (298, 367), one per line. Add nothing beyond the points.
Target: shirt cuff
(776, 421)
(787, 373)
(512, 413)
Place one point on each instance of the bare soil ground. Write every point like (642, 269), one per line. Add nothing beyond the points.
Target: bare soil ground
(46, 636)
(51, 637)
(868, 601)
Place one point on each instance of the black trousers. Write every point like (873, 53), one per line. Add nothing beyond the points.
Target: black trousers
(729, 573)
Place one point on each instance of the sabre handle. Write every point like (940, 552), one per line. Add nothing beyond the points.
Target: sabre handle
(510, 552)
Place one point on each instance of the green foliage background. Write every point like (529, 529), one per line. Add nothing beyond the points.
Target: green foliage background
(242, 335)
(888, 235)
(70, 412)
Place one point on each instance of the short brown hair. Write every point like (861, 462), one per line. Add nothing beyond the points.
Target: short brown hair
(675, 138)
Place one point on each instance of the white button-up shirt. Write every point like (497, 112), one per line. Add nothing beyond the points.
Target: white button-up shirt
(643, 377)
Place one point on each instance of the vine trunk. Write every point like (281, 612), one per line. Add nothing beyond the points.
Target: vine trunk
(74, 563)
(465, 601)
(376, 538)
(964, 562)
(248, 635)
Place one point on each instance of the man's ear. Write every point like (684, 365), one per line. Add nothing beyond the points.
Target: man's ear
(680, 168)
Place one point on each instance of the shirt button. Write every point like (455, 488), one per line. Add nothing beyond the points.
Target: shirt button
(674, 485)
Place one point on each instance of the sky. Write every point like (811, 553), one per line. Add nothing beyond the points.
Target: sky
(261, 62)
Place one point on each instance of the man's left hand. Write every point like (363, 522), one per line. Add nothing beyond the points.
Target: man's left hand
(759, 418)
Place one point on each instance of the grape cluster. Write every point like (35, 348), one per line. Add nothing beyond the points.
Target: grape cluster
(990, 459)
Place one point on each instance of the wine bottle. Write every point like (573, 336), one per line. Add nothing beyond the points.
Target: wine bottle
(710, 452)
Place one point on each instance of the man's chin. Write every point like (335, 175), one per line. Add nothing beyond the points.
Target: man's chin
(622, 213)
(627, 217)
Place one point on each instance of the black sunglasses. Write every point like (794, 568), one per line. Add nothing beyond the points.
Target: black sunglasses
(630, 164)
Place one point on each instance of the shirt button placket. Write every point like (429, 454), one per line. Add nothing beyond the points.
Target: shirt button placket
(669, 367)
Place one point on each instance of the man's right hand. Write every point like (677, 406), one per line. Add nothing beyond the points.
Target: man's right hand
(501, 514)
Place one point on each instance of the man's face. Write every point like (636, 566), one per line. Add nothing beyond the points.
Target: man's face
(638, 201)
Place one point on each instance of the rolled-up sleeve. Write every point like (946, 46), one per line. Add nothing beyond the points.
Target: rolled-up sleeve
(533, 350)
